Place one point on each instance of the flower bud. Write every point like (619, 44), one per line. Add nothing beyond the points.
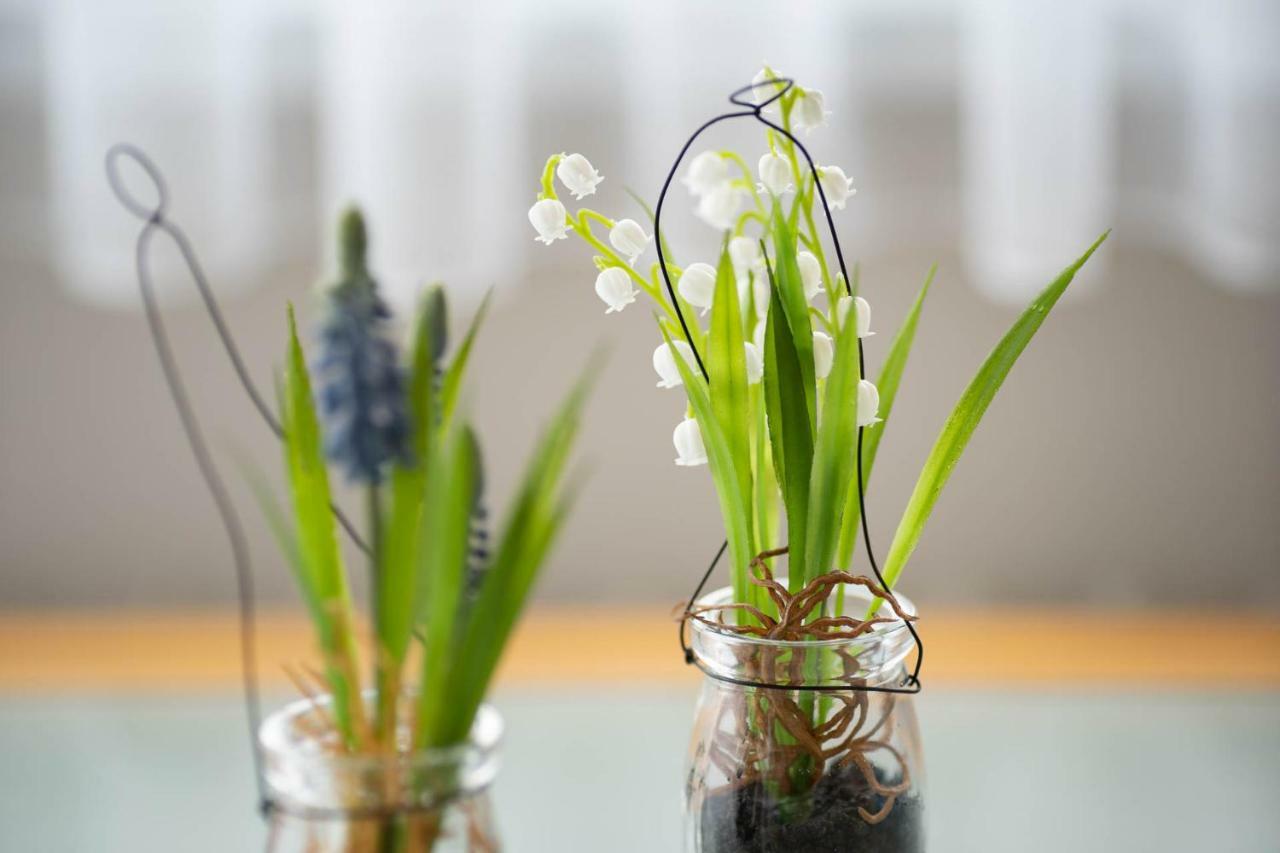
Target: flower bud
(810, 110)
(862, 311)
(719, 206)
(868, 404)
(688, 441)
(836, 186)
(775, 173)
(824, 352)
(664, 362)
(755, 363)
(614, 288)
(576, 173)
(745, 254)
(706, 172)
(698, 285)
(810, 274)
(628, 238)
(550, 220)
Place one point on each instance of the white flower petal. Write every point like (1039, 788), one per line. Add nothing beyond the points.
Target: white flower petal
(628, 238)
(550, 220)
(823, 354)
(868, 404)
(615, 289)
(863, 313)
(687, 439)
(810, 274)
(810, 110)
(576, 173)
(836, 186)
(665, 363)
(719, 206)
(706, 172)
(775, 173)
(697, 285)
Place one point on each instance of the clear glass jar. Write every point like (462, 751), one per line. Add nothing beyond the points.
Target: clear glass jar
(772, 769)
(429, 801)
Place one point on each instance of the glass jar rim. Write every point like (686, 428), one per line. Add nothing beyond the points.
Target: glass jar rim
(884, 632)
(292, 756)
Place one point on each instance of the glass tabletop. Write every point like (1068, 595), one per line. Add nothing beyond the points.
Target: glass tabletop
(595, 768)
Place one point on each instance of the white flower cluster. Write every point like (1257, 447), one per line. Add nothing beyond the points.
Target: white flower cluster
(721, 185)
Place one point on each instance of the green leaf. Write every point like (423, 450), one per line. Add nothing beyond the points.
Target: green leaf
(447, 525)
(727, 364)
(735, 506)
(786, 280)
(964, 420)
(790, 432)
(887, 384)
(452, 383)
(835, 452)
(321, 576)
(531, 527)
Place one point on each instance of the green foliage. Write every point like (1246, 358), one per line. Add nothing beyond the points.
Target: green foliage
(735, 506)
(730, 404)
(318, 566)
(887, 384)
(790, 431)
(965, 417)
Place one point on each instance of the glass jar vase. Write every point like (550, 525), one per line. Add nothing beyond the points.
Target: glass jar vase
(424, 801)
(775, 769)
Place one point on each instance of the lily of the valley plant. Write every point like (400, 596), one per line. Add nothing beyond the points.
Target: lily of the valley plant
(443, 597)
(779, 419)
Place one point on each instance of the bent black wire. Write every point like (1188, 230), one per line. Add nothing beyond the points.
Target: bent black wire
(753, 109)
(154, 219)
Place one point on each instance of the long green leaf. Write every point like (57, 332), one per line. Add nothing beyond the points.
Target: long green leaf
(528, 533)
(451, 385)
(322, 577)
(735, 506)
(727, 364)
(790, 432)
(964, 420)
(887, 384)
(834, 454)
(398, 589)
(447, 517)
(789, 285)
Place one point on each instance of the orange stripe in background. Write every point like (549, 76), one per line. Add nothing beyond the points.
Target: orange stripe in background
(67, 651)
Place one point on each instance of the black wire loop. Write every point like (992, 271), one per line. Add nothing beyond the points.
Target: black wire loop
(155, 220)
(754, 109)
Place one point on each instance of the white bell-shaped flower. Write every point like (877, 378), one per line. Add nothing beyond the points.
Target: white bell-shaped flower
(664, 362)
(836, 186)
(755, 363)
(628, 238)
(719, 206)
(697, 285)
(615, 289)
(576, 173)
(550, 220)
(706, 172)
(775, 173)
(761, 92)
(810, 274)
(688, 441)
(810, 110)
(868, 404)
(862, 312)
(824, 352)
(745, 254)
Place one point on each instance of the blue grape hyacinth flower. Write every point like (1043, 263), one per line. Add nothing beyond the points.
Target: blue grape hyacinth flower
(359, 376)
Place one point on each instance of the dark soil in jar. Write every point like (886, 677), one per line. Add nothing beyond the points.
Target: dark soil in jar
(750, 820)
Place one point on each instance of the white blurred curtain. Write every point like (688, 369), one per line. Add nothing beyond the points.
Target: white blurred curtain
(1038, 139)
(421, 122)
(183, 80)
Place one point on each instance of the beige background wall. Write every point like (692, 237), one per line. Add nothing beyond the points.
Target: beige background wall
(1132, 456)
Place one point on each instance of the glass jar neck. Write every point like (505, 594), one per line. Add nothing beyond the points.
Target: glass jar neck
(309, 774)
(872, 659)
